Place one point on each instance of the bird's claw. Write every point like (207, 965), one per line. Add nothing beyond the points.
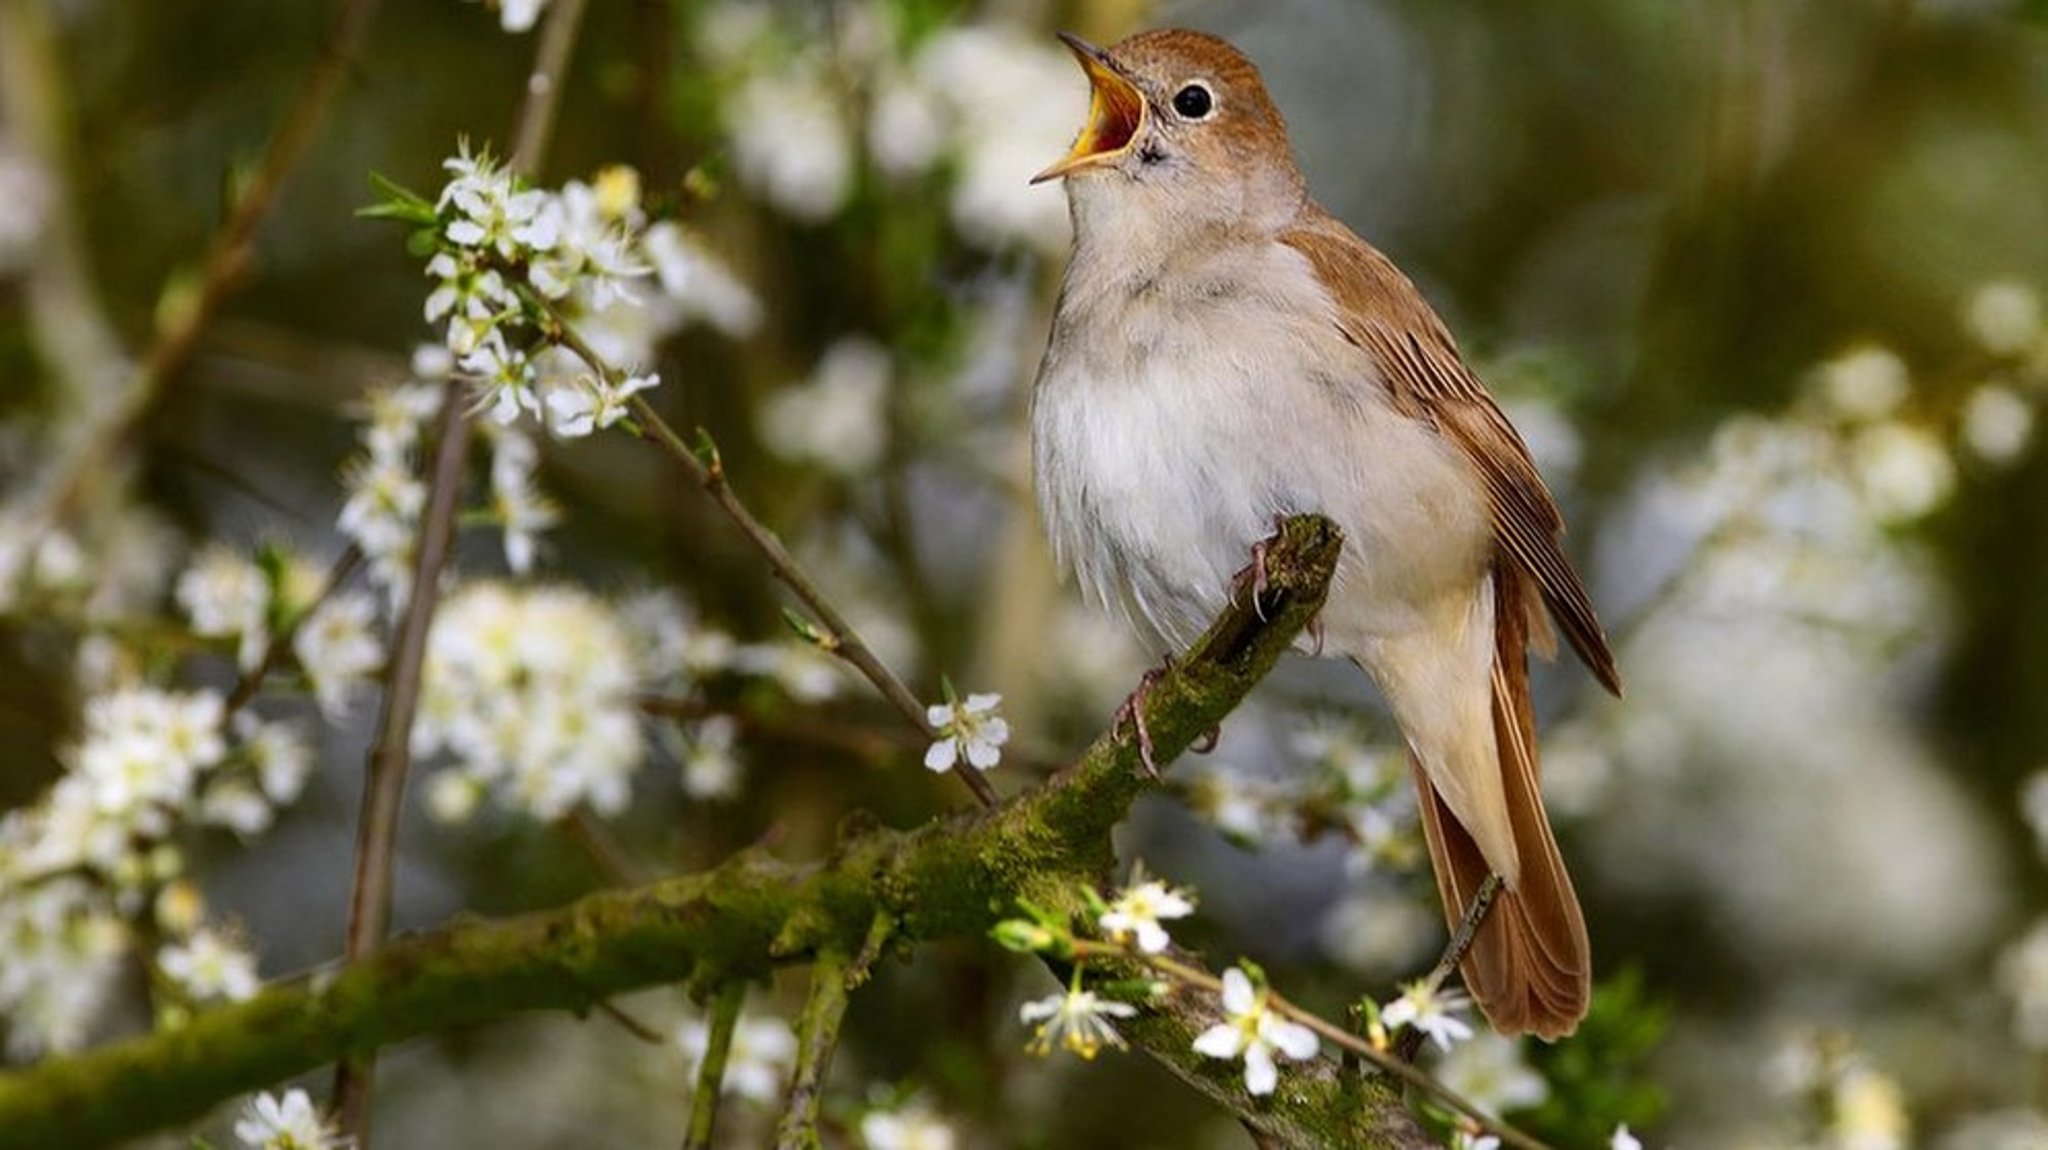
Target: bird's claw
(1132, 712)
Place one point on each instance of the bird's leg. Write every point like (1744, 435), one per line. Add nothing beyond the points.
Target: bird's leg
(1132, 711)
(1454, 953)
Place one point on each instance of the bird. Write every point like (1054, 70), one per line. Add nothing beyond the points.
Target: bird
(1225, 352)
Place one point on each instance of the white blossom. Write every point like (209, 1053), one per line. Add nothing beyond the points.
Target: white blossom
(1253, 1032)
(289, 1123)
(531, 690)
(1136, 911)
(971, 730)
(1075, 1020)
(1431, 1010)
(591, 404)
(1491, 1073)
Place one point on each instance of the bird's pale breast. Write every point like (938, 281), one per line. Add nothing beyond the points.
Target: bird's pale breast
(1179, 413)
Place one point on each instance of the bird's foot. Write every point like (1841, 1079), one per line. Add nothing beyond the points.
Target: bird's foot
(1253, 575)
(1208, 741)
(1132, 714)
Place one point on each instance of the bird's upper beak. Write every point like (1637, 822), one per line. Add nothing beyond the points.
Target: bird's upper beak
(1116, 113)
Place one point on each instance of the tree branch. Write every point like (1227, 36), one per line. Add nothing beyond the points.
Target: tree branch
(725, 1015)
(952, 878)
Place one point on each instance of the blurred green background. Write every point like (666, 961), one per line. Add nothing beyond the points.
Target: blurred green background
(1759, 281)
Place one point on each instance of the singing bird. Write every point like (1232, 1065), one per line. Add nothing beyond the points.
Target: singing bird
(1225, 352)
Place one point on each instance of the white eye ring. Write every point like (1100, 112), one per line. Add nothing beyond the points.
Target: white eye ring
(1195, 101)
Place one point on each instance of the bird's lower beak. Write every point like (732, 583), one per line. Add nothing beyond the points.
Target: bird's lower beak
(1116, 113)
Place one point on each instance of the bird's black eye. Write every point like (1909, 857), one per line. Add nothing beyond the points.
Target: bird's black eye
(1193, 102)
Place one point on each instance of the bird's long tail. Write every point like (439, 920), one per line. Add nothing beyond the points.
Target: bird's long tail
(1530, 965)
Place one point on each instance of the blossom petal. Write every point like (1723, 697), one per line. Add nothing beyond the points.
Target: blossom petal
(1220, 1041)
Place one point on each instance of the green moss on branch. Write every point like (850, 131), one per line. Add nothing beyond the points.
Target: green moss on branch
(952, 878)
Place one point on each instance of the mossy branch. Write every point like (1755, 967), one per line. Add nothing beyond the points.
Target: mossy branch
(951, 878)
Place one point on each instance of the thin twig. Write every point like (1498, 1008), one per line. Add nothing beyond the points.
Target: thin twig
(1409, 1075)
(369, 915)
(725, 1015)
(632, 1025)
(817, 1037)
(280, 645)
(841, 638)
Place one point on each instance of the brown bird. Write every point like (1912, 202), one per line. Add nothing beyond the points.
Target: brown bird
(1226, 352)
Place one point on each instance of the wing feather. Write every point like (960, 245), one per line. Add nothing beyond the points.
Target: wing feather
(1381, 313)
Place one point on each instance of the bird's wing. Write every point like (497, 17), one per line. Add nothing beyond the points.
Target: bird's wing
(1383, 314)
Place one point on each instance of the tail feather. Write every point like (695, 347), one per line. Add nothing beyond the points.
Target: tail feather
(1530, 965)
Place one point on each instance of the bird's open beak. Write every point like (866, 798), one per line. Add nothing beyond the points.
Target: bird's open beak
(1116, 113)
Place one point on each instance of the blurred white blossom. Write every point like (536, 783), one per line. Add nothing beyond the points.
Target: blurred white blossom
(1903, 471)
(1136, 912)
(2023, 975)
(912, 1126)
(1492, 1073)
(839, 417)
(711, 768)
(210, 966)
(24, 207)
(338, 647)
(789, 140)
(1865, 383)
(757, 1064)
(289, 1123)
(1075, 1020)
(225, 594)
(2004, 317)
(1997, 424)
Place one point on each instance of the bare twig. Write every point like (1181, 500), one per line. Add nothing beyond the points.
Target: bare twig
(280, 645)
(840, 637)
(725, 1015)
(817, 1037)
(369, 914)
(390, 756)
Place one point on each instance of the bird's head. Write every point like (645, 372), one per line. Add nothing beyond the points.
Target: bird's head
(1179, 127)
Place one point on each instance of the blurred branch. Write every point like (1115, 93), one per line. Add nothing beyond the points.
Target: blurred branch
(952, 878)
(725, 1016)
(184, 309)
(65, 316)
(544, 84)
